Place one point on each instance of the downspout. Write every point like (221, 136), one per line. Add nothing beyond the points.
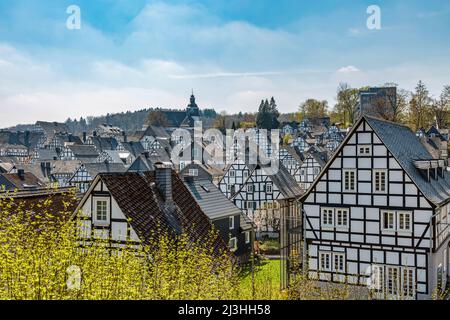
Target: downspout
(304, 255)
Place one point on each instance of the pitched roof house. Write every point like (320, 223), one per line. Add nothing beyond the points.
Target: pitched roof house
(378, 214)
(136, 206)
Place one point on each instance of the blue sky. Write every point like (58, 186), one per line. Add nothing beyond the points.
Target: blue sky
(133, 54)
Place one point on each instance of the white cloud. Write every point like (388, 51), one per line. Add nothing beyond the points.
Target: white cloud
(348, 69)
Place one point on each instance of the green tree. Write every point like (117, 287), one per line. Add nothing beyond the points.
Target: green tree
(420, 112)
(347, 101)
(313, 108)
(267, 117)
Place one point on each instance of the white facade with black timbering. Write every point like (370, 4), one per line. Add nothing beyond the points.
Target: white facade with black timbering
(374, 219)
(234, 177)
(291, 160)
(260, 195)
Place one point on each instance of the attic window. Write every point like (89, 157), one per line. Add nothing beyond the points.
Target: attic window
(193, 172)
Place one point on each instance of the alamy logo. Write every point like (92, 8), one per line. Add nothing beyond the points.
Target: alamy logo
(73, 22)
(374, 20)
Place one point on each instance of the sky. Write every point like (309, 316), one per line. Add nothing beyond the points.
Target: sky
(130, 55)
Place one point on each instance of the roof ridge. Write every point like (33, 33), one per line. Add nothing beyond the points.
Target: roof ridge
(387, 121)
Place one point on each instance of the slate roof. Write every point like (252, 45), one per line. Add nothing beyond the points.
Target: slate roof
(285, 182)
(156, 132)
(46, 154)
(141, 164)
(319, 154)
(295, 153)
(95, 168)
(104, 143)
(204, 171)
(114, 155)
(84, 153)
(212, 201)
(63, 167)
(406, 147)
(68, 137)
(135, 148)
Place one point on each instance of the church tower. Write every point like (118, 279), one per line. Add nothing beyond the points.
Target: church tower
(192, 108)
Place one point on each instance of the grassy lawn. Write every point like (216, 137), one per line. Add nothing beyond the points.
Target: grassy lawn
(267, 281)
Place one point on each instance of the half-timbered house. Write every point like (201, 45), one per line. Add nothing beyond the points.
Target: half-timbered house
(86, 172)
(260, 194)
(378, 214)
(315, 159)
(135, 207)
(292, 159)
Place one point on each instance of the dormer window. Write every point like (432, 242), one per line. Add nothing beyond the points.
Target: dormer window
(193, 172)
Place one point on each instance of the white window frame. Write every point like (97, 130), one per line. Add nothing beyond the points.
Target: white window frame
(95, 219)
(399, 221)
(396, 289)
(380, 184)
(324, 221)
(322, 262)
(383, 218)
(234, 246)
(345, 213)
(365, 151)
(408, 290)
(247, 236)
(337, 268)
(193, 172)
(231, 223)
(350, 171)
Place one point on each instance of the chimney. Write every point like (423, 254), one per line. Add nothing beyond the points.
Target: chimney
(21, 174)
(164, 182)
(94, 133)
(125, 138)
(84, 136)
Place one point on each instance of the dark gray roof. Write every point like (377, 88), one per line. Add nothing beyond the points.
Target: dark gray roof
(141, 164)
(104, 143)
(96, 168)
(319, 154)
(211, 200)
(294, 152)
(286, 183)
(406, 147)
(46, 154)
(84, 151)
(135, 148)
(156, 132)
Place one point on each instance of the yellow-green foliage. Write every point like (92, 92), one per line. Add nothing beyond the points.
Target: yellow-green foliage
(266, 281)
(40, 256)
